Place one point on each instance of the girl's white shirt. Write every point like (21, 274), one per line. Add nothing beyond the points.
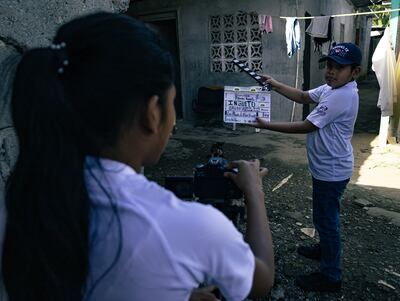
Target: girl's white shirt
(159, 247)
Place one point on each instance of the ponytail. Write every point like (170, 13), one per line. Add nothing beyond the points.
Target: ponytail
(45, 254)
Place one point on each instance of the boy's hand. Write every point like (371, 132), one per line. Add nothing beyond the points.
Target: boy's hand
(270, 80)
(260, 123)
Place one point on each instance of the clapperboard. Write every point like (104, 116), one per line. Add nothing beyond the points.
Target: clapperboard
(245, 104)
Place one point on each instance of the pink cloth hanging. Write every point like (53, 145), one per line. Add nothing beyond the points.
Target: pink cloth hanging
(265, 23)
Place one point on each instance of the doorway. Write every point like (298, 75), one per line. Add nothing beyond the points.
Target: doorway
(167, 28)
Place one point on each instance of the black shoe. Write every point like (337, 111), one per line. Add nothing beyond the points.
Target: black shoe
(318, 282)
(313, 252)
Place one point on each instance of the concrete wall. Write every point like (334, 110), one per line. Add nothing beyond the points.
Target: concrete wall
(351, 23)
(365, 22)
(25, 24)
(193, 18)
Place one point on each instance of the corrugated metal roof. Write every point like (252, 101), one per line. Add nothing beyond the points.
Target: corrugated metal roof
(364, 3)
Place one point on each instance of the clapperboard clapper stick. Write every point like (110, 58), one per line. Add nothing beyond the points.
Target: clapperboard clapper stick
(252, 74)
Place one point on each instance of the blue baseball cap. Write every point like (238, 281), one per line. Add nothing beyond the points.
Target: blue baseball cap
(344, 54)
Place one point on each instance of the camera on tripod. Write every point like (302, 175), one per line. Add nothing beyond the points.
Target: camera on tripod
(209, 185)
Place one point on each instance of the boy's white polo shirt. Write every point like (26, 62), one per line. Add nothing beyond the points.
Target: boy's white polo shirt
(329, 149)
(168, 246)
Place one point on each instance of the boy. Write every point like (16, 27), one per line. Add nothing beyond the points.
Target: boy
(329, 129)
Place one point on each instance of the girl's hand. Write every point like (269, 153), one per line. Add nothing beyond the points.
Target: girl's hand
(249, 176)
(203, 294)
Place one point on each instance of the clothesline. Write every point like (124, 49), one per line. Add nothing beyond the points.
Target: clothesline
(347, 15)
(337, 15)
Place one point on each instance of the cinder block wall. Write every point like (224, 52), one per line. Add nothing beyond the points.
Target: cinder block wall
(26, 24)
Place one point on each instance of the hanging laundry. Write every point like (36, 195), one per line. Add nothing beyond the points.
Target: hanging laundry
(320, 29)
(265, 23)
(293, 37)
(383, 63)
(324, 49)
(397, 77)
(396, 109)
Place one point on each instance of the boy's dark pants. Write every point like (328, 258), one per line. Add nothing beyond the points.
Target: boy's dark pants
(326, 217)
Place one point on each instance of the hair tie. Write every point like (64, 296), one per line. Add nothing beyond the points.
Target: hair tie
(62, 56)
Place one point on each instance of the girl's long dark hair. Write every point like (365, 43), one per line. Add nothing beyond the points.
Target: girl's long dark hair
(111, 64)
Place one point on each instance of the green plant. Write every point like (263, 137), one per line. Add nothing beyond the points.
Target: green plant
(383, 19)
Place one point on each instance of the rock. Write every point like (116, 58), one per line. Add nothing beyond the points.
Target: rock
(311, 295)
(308, 231)
(392, 216)
(295, 215)
(289, 270)
(278, 294)
(362, 203)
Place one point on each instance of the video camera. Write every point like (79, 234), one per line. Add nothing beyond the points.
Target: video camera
(209, 185)
(208, 182)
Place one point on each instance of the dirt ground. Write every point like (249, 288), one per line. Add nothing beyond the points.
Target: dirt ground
(370, 208)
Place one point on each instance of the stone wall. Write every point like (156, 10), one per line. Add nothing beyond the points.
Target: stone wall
(26, 24)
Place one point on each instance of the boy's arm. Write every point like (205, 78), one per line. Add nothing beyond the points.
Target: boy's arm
(300, 127)
(294, 94)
